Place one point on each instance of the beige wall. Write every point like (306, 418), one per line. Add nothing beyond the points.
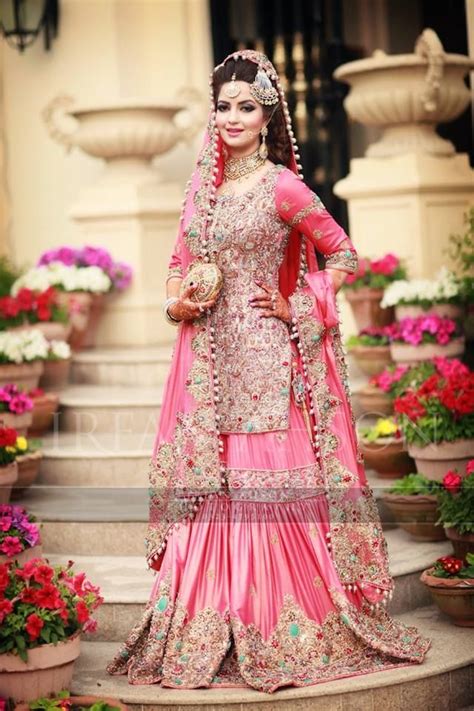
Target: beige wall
(105, 49)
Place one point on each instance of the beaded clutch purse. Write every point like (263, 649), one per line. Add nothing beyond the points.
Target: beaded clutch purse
(207, 276)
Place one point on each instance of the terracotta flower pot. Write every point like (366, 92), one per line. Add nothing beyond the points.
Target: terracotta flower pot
(24, 556)
(85, 311)
(374, 401)
(387, 457)
(98, 306)
(371, 359)
(20, 423)
(454, 597)
(365, 304)
(435, 460)
(25, 375)
(463, 543)
(84, 702)
(8, 476)
(56, 374)
(443, 310)
(417, 515)
(406, 354)
(48, 670)
(44, 409)
(28, 469)
(51, 330)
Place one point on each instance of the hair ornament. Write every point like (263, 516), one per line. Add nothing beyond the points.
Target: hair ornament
(262, 89)
(233, 89)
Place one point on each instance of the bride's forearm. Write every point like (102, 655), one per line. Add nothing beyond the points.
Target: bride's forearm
(172, 286)
(338, 277)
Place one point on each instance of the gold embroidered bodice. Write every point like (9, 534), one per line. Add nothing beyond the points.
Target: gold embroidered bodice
(253, 354)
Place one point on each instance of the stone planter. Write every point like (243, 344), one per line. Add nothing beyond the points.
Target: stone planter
(417, 515)
(51, 330)
(44, 409)
(25, 375)
(462, 543)
(97, 309)
(55, 374)
(365, 305)
(48, 670)
(454, 597)
(28, 469)
(387, 457)
(20, 423)
(443, 310)
(24, 556)
(371, 359)
(8, 476)
(407, 95)
(374, 401)
(84, 702)
(435, 460)
(406, 354)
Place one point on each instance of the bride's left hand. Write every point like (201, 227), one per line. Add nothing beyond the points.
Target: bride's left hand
(282, 310)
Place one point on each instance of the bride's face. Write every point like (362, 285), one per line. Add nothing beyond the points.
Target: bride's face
(239, 119)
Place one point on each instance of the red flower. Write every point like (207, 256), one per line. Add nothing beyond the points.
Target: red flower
(34, 625)
(6, 606)
(27, 570)
(409, 405)
(9, 307)
(451, 564)
(82, 612)
(7, 436)
(25, 299)
(43, 313)
(4, 577)
(430, 385)
(470, 466)
(48, 597)
(29, 595)
(11, 545)
(452, 482)
(43, 574)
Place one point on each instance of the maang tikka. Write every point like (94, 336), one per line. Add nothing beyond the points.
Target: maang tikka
(233, 89)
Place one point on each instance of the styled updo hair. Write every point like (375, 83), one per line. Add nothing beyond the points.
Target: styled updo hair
(278, 141)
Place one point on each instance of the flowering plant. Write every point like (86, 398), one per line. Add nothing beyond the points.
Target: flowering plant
(58, 350)
(384, 428)
(119, 273)
(31, 307)
(450, 567)
(441, 409)
(43, 604)
(13, 400)
(397, 379)
(63, 701)
(463, 253)
(18, 530)
(24, 346)
(8, 440)
(456, 500)
(444, 288)
(425, 329)
(64, 278)
(414, 484)
(371, 336)
(375, 273)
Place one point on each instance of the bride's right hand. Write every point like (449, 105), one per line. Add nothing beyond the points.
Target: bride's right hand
(186, 310)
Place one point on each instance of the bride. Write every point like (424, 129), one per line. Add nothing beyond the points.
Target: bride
(271, 564)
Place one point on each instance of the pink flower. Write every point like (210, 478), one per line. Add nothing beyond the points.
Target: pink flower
(11, 546)
(6, 606)
(90, 625)
(386, 265)
(20, 404)
(5, 523)
(452, 481)
(470, 466)
(447, 368)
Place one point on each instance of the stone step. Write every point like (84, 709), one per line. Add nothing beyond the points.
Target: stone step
(95, 460)
(110, 408)
(444, 682)
(125, 581)
(140, 366)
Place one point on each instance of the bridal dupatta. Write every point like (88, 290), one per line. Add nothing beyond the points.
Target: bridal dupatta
(186, 468)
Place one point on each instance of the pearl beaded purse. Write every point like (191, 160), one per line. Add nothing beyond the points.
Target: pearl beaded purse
(209, 280)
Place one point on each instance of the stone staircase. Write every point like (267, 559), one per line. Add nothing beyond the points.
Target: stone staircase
(91, 498)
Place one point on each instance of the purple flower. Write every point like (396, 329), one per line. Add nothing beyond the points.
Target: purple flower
(66, 255)
(121, 275)
(96, 257)
(31, 533)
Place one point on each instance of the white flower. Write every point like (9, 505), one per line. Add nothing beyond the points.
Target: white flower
(444, 286)
(60, 349)
(69, 278)
(23, 346)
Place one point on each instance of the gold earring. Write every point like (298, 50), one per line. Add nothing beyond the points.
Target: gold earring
(263, 150)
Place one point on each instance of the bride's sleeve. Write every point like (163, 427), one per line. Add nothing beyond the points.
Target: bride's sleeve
(300, 207)
(175, 263)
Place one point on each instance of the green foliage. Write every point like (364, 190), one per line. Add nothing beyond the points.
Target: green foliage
(438, 425)
(466, 572)
(413, 484)
(9, 273)
(456, 509)
(461, 251)
(63, 700)
(366, 340)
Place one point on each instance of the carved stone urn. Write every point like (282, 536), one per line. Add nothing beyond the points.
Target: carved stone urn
(407, 95)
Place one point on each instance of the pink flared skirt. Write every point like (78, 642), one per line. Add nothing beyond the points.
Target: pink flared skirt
(247, 594)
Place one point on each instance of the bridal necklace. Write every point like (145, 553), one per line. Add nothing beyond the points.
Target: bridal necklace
(238, 168)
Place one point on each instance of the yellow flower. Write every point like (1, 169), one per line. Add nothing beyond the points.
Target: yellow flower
(386, 427)
(21, 443)
(11, 450)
